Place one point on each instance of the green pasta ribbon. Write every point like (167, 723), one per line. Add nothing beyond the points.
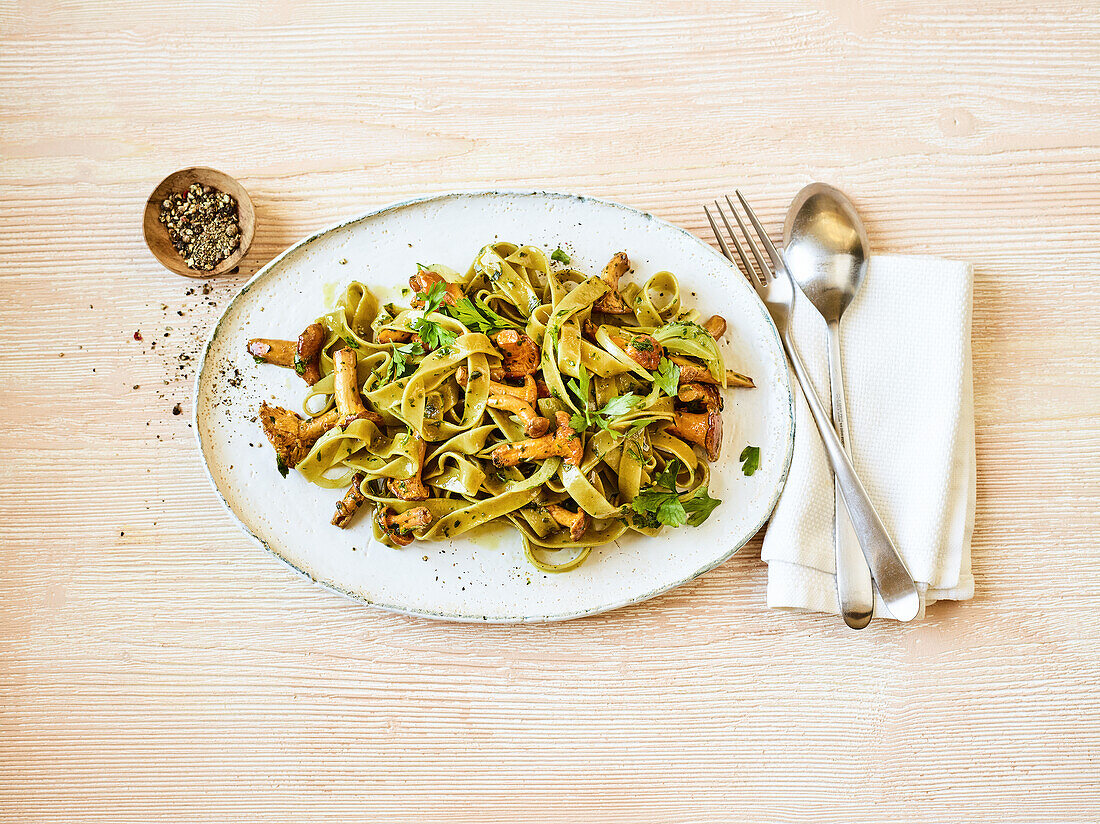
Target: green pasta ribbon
(431, 373)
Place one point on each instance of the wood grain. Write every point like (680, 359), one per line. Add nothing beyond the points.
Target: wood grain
(154, 665)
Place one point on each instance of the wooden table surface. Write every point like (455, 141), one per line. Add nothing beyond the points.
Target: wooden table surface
(157, 666)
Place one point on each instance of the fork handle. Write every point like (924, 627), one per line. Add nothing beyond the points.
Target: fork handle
(895, 584)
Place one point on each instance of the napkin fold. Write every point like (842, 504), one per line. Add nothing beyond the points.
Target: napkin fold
(905, 342)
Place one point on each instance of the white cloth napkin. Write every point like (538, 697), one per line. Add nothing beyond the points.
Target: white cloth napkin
(907, 374)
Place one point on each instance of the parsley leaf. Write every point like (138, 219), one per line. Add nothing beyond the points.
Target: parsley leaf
(433, 297)
(632, 445)
(658, 504)
(476, 315)
(352, 343)
(399, 364)
(657, 507)
(620, 405)
(667, 377)
(699, 506)
(281, 466)
(647, 502)
(671, 512)
(431, 334)
(560, 256)
(605, 425)
(667, 476)
(299, 365)
(580, 386)
(750, 459)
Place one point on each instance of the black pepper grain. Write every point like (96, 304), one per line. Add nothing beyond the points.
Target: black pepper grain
(203, 225)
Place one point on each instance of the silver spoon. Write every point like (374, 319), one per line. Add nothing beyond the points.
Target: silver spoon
(826, 254)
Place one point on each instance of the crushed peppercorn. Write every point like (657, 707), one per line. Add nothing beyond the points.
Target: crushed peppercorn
(202, 224)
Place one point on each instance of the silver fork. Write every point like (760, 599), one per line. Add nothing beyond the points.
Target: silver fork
(776, 288)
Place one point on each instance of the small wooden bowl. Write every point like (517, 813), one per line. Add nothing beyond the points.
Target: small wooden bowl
(156, 233)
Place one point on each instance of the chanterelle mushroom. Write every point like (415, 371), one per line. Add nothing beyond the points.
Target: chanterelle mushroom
(425, 279)
(611, 301)
(412, 489)
(514, 399)
(520, 353)
(644, 350)
(348, 400)
(307, 358)
(271, 350)
(399, 528)
(704, 429)
(347, 506)
(303, 356)
(694, 373)
(564, 442)
(716, 326)
(576, 522)
(291, 435)
(393, 336)
(705, 393)
(527, 393)
(534, 425)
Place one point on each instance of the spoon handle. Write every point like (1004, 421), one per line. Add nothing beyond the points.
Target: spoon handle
(853, 577)
(895, 584)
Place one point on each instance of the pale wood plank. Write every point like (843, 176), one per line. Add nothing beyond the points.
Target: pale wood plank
(175, 672)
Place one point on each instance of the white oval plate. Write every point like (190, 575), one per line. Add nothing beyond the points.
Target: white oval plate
(486, 577)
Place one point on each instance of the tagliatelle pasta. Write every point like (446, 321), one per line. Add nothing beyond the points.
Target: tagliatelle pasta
(521, 390)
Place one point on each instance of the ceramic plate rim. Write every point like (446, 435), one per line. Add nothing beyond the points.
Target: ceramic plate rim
(265, 270)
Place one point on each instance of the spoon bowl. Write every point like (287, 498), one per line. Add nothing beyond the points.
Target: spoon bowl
(826, 248)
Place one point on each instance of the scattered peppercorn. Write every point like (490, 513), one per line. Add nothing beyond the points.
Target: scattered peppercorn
(137, 335)
(202, 224)
(176, 410)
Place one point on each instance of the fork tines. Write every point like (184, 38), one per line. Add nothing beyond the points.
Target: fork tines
(760, 274)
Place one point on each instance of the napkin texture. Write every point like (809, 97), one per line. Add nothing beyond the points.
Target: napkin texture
(905, 342)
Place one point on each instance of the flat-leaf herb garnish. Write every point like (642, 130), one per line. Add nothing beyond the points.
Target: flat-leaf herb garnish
(587, 417)
(476, 315)
(667, 377)
(431, 334)
(399, 362)
(660, 505)
(699, 506)
(750, 459)
(560, 256)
